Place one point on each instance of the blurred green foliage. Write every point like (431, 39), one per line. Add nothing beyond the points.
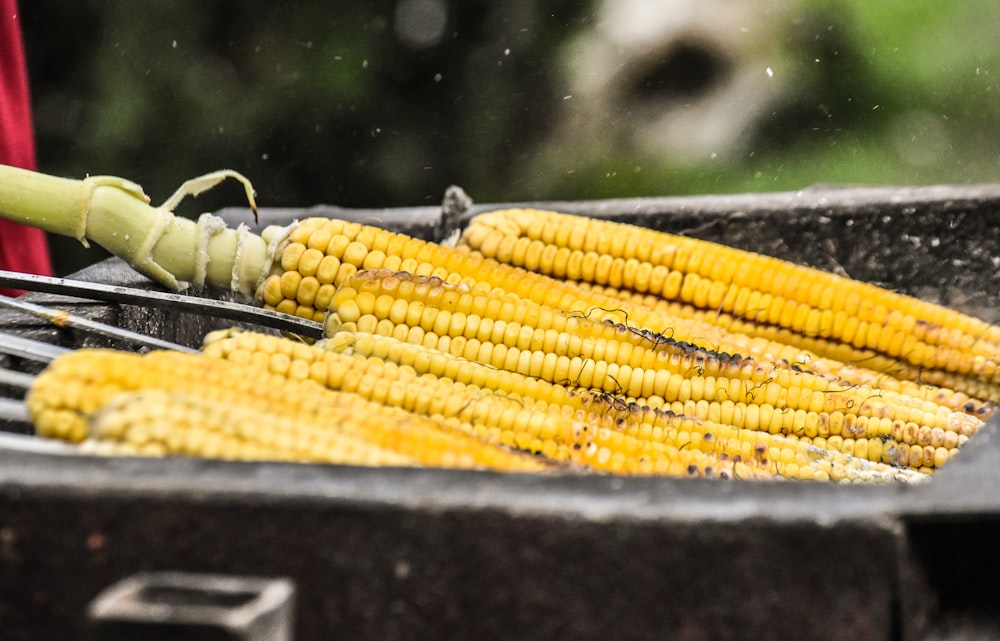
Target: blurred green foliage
(344, 103)
(315, 101)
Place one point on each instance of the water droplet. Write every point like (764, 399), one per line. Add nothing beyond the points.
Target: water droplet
(421, 23)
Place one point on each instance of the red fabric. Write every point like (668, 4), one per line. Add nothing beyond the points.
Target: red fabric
(22, 249)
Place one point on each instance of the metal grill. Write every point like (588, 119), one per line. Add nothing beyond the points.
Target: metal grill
(433, 554)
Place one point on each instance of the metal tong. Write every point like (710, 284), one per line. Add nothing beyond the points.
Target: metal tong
(134, 296)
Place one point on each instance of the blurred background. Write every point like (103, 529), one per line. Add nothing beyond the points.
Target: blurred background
(384, 104)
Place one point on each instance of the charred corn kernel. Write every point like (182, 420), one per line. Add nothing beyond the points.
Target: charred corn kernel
(941, 338)
(75, 386)
(825, 356)
(791, 458)
(845, 433)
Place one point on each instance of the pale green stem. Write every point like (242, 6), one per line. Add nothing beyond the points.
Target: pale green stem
(116, 214)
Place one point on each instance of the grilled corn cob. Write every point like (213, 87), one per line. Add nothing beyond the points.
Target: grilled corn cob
(884, 372)
(752, 286)
(78, 385)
